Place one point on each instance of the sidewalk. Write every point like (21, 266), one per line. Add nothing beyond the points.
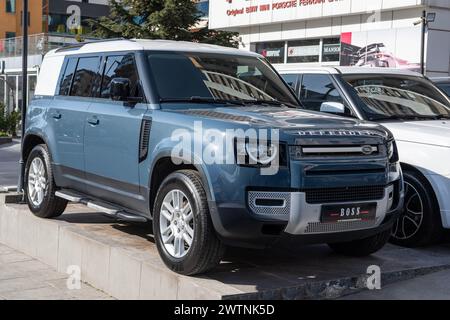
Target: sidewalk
(25, 278)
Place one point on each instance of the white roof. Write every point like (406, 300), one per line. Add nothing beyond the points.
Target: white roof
(350, 70)
(388, 71)
(139, 45)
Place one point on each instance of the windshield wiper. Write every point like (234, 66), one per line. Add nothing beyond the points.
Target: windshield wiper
(195, 99)
(408, 117)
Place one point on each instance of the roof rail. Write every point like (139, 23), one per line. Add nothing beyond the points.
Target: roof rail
(77, 46)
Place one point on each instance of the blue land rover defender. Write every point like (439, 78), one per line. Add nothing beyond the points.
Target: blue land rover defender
(208, 143)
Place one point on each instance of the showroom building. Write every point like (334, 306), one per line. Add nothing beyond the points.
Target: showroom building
(376, 33)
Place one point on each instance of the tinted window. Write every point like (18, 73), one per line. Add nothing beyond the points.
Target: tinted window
(85, 77)
(217, 76)
(387, 97)
(316, 89)
(119, 67)
(291, 80)
(445, 87)
(66, 79)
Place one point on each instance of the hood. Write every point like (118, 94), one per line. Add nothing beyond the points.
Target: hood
(434, 132)
(282, 118)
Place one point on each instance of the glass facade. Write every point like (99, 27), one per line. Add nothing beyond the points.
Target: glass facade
(300, 51)
(71, 17)
(11, 90)
(303, 51)
(203, 8)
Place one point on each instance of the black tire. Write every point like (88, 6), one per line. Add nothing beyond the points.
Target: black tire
(362, 247)
(206, 249)
(51, 206)
(429, 228)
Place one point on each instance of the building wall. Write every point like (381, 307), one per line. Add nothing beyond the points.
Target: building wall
(329, 19)
(11, 22)
(438, 43)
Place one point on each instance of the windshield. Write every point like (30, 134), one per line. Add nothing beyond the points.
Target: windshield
(217, 78)
(388, 97)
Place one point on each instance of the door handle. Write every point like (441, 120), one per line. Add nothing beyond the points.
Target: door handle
(57, 115)
(94, 121)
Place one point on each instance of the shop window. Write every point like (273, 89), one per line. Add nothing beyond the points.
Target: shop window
(10, 6)
(303, 51)
(272, 51)
(331, 50)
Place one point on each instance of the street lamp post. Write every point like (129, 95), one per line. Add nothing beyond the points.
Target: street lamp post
(424, 20)
(20, 185)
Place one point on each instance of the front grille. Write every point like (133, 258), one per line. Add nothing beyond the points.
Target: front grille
(318, 227)
(299, 152)
(349, 194)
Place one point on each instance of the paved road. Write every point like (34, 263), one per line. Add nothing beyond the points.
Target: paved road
(433, 286)
(9, 163)
(25, 278)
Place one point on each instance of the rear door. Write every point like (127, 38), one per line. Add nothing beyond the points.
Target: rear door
(112, 135)
(68, 115)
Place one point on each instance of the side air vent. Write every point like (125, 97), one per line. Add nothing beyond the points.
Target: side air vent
(146, 126)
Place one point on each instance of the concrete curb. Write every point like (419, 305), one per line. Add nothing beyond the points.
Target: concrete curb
(5, 140)
(128, 269)
(118, 271)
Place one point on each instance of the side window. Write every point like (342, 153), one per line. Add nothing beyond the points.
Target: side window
(291, 80)
(85, 77)
(316, 89)
(119, 67)
(66, 79)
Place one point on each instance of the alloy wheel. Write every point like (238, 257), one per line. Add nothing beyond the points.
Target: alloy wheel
(37, 182)
(176, 224)
(409, 223)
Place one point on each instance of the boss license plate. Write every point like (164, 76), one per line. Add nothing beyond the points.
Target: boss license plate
(345, 213)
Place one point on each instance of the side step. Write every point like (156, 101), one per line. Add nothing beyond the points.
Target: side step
(109, 209)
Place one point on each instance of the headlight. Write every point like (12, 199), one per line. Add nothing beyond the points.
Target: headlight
(392, 151)
(256, 154)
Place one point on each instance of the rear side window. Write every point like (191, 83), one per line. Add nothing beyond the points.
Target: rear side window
(123, 66)
(66, 79)
(85, 77)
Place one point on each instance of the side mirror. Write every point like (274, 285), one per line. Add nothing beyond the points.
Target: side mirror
(120, 89)
(332, 107)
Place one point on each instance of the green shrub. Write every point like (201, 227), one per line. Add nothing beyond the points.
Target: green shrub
(8, 121)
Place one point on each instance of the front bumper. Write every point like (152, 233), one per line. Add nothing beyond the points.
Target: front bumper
(292, 216)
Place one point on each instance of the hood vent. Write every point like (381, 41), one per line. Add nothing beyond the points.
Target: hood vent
(218, 115)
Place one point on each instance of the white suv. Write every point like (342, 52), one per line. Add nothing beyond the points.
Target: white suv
(416, 112)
